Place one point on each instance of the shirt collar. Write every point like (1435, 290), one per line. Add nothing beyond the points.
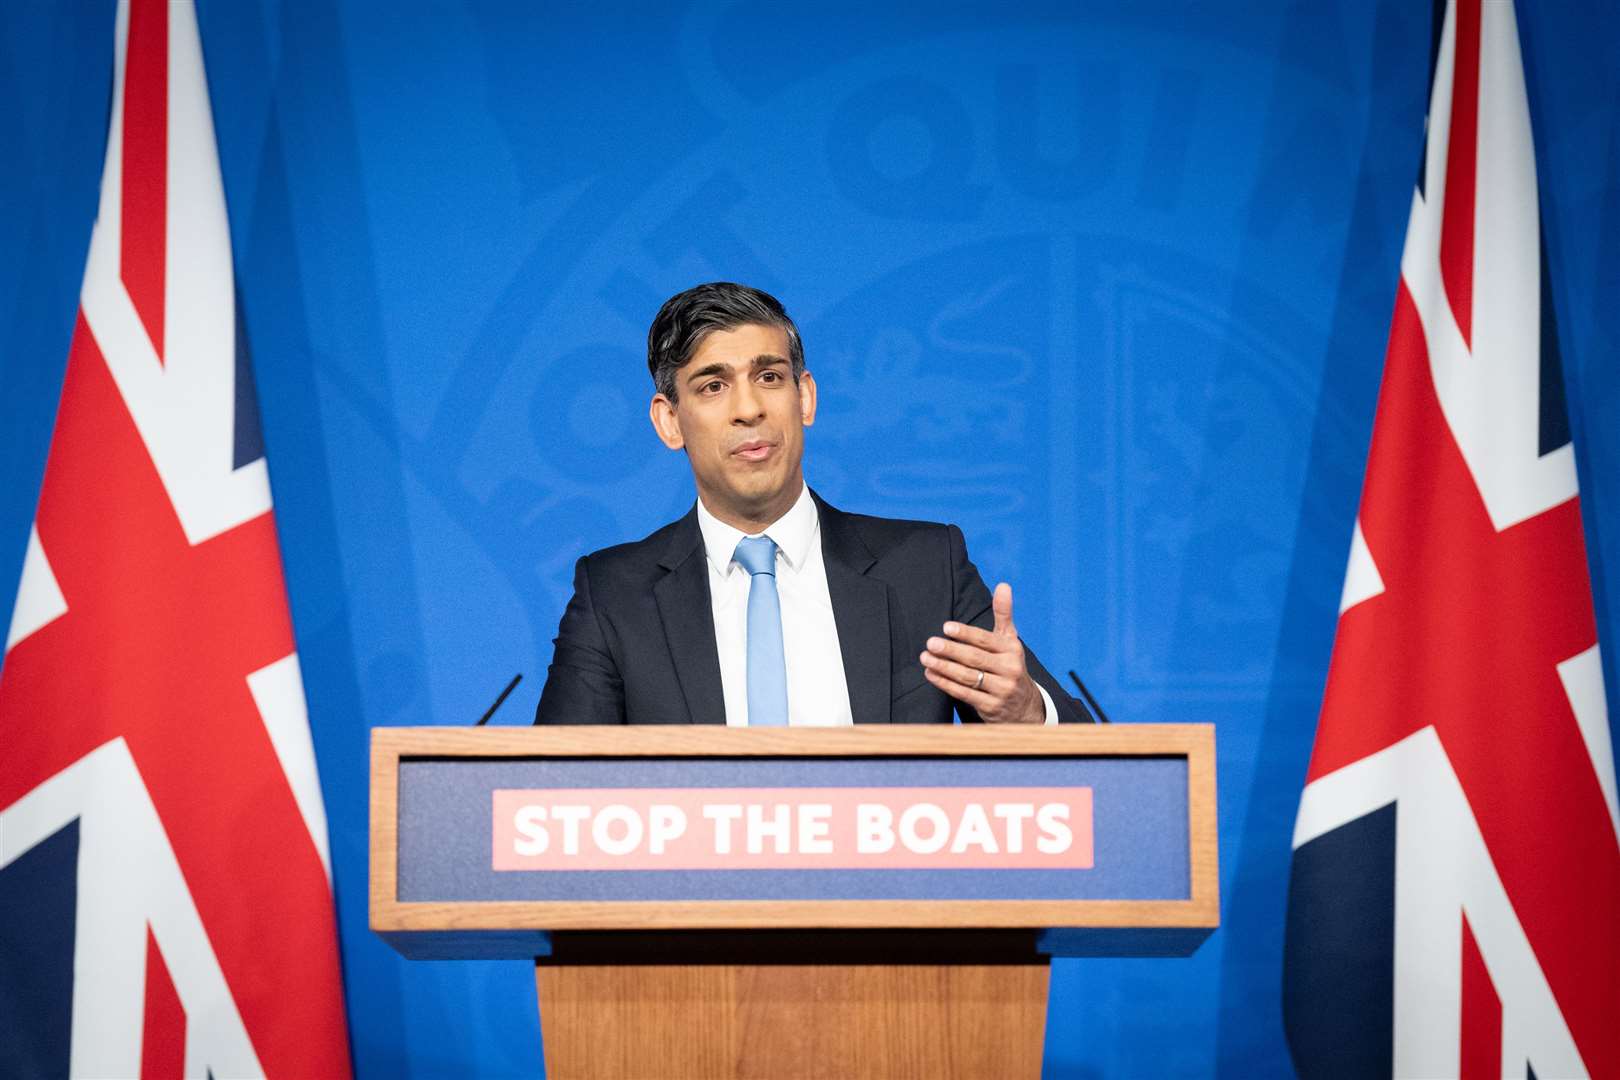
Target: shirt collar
(794, 532)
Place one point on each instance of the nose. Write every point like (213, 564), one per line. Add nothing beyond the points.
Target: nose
(747, 404)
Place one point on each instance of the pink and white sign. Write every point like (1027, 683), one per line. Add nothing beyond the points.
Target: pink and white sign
(887, 828)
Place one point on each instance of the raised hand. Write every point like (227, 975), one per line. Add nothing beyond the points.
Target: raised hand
(985, 668)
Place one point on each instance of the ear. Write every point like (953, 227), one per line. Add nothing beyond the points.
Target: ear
(807, 398)
(665, 422)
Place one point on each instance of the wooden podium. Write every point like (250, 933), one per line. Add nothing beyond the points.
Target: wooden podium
(845, 902)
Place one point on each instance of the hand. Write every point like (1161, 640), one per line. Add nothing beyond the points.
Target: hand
(985, 668)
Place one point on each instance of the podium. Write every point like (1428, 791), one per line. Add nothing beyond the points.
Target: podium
(872, 901)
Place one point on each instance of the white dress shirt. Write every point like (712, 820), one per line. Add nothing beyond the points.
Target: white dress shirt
(818, 692)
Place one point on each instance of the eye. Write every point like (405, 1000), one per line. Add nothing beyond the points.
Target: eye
(711, 388)
(771, 377)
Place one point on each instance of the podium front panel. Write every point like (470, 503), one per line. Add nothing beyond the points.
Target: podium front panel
(715, 828)
(942, 828)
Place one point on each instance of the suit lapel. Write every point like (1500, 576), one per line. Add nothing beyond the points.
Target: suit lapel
(861, 613)
(688, 616)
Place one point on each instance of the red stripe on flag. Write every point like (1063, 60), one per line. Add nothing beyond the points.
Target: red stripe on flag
(1481, 1015)
(1462, 153)
(163, 1028)
(144, 216)
(1466, 637)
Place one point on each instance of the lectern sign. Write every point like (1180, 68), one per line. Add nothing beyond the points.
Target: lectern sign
(833, 825)
(490, 842)
(827, 828)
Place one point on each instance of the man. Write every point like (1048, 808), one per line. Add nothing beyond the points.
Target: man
(764, 605)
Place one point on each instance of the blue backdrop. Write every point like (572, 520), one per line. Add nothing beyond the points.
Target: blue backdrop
(1106, 284)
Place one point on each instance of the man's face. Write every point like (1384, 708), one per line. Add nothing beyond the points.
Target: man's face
(741, 420)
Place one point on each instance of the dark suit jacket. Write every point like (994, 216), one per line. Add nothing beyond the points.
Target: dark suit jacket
(636, 643)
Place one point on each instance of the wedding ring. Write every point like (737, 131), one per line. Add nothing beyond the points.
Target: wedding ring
(980, 682)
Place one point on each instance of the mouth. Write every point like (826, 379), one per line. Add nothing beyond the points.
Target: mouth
(753, 450)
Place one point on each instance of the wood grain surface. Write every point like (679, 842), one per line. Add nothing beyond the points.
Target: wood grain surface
(838, 1022)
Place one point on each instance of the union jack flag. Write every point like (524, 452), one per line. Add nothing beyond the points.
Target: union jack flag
(165, 888)
(1454, 906)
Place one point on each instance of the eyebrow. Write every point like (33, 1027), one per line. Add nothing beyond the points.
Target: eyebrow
(763, 360)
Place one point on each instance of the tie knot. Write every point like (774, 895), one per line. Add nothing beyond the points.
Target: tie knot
(757, 555)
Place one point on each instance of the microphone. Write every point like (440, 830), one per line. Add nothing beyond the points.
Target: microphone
(1097, 715)
(489, 712)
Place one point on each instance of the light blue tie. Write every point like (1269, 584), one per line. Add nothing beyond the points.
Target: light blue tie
(767, 667)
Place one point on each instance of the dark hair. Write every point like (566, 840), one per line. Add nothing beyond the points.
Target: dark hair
(689, 317)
